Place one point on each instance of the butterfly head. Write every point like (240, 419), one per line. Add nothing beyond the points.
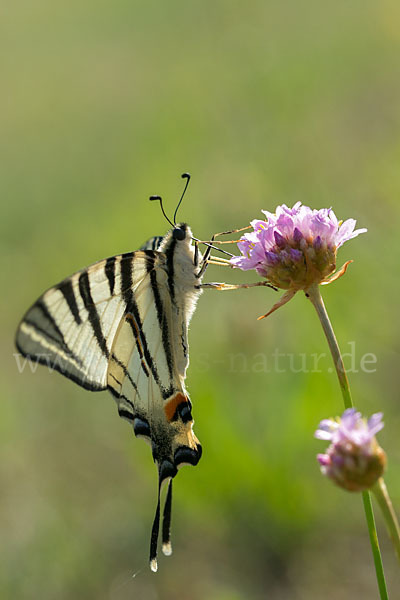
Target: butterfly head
(181, 254)
(179, 232)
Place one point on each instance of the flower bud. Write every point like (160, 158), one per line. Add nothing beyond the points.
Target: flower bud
(354, 460)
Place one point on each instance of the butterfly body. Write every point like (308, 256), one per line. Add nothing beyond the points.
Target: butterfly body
(122, 325)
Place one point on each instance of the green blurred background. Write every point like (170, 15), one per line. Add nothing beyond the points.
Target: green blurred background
(103, 104)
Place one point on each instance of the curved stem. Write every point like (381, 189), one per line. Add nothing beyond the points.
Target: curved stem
(314, 295)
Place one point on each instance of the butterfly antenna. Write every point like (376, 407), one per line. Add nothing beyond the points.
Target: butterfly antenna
(187, 177)
(154, 534)
(166, 527)
(162, 208)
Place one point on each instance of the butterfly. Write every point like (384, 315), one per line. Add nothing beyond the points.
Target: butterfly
(121, 325)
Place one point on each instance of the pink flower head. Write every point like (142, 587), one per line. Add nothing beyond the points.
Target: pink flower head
(295, 248)
(354, 460)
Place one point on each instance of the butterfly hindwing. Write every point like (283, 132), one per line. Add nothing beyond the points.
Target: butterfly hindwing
(153, 243)
(146, 345)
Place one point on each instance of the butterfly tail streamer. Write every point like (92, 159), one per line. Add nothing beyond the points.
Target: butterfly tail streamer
(166, 527)
(154, 534)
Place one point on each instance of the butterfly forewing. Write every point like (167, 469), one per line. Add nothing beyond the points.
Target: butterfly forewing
(72, 325)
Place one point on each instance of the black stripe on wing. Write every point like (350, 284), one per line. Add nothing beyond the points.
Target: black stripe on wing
(54, 365)
(52, 331)
(136, 334)
(127, 411)
(93, 315)
(136, 322)
(109, 270)
(126, 373)
(153, 243)
(161, 316)
(170, 251)
(67, 291)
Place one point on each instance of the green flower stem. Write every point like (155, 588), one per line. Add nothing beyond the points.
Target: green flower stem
(314, 295)
(392, 524)
(318, 303)
(373, 538)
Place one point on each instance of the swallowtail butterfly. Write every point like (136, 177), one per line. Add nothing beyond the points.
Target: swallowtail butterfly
(122, 325)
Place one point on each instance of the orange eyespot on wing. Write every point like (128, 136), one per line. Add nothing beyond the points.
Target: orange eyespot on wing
(172, 404)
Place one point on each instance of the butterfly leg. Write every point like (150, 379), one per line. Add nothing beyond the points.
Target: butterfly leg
(215, 241)
(196, 254)
(216, 261)
(205, 260)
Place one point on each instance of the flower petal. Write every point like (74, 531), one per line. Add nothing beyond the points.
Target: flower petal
(375, 423)
(346, 232)
(284, 299)
(279, 239)
(320, 434)
(324, 459)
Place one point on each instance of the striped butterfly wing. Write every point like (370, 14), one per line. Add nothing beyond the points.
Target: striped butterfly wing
(121, 324)
(153, 243)
(72, 325)
(147, 366)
